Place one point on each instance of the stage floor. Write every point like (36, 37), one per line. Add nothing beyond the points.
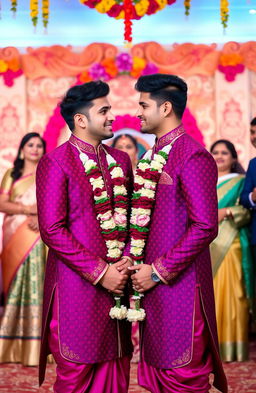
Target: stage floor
(15, 378)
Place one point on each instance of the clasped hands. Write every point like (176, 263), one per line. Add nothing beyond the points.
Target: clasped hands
(117, 275)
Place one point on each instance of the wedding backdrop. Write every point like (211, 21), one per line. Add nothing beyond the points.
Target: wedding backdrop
(221, 80)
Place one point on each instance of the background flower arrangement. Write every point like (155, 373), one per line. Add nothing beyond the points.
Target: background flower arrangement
(9, 70)
(123, 64)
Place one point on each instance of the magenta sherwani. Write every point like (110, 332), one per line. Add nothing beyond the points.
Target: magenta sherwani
(184, 222)
(69, 227)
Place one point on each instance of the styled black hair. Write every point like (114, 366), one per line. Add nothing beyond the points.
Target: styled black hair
(253, 122)
(79, 98)
(164, 87)
(132, 139)
(18, 164)
(236, 166)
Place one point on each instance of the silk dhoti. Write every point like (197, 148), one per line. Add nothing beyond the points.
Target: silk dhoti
(107, 377)
(192, 378)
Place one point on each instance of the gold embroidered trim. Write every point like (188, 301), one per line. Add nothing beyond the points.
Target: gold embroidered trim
(168, 276)
(86, 147)
(185, 357)
(96, 272)
(168, 138)
(69, 353)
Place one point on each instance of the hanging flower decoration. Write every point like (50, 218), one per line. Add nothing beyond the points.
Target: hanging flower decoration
(127, 10)
(14, 6)
(224, 12)
(34, 11)
(123, 64)
(187, 7)
(45, 12)
(230, 65)
(9, 70)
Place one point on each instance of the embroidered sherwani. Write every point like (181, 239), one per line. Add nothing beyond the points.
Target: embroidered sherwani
(183, 224)
(68, 225)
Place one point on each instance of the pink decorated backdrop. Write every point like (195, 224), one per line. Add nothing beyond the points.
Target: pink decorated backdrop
(222, 109)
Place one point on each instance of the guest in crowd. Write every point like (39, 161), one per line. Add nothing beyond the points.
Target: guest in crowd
(23, 257)
(231, 257)
(248, 196)
(128, 144)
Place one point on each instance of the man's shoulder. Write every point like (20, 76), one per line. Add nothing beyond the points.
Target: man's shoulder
(57, 154)
(188, 146)
(253, 162)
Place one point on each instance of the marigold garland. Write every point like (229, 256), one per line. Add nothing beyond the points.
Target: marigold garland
(45, 12)
(187, 7)
(34, 11)
(224, 12)
(14, 6)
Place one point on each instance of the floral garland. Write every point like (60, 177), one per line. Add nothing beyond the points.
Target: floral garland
(230, 65)
(10, 70)
(224, 12)
(145, 182)
(127, 10)
(34, 11)
(187, 7)
(116, 9)
(113, 222)
(122, 64)
(45, 12)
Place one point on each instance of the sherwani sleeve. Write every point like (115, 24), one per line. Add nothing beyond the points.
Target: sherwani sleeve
(248, 188)
(198, 185)
(52, 201)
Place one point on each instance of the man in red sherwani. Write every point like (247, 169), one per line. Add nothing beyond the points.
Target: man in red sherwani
(179, 344)
(82, 193)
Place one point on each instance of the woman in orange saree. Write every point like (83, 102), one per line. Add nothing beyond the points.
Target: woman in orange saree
(23, 257)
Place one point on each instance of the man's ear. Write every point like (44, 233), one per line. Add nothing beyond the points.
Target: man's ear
(80, 120)
(166, 108)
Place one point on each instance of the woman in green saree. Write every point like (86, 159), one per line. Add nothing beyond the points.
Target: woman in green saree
(232, 262)
(23, 257)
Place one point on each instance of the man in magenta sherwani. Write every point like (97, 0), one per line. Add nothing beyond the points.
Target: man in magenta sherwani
(92, 351)
(179, 344)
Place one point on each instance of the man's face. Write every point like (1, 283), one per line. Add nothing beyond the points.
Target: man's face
(149, 113)
(100, 119)
(253, 135)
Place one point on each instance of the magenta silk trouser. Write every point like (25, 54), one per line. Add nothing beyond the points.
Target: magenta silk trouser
(193, 378)
(106, 377)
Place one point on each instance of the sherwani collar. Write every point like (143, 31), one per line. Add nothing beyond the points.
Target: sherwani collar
(169, 137)
(84, 146)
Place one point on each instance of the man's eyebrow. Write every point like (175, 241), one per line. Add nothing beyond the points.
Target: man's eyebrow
(104, 108)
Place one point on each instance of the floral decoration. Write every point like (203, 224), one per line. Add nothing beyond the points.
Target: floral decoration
(126, 121)
(34, 11)
(224, 12)
(14, 6)
(123, 64)
(230, 65)
(45, 12)
(187, 7)
(9, 70)
(127, 10)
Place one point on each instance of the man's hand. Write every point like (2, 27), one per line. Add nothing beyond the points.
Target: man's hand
(113, 280)
(254, 194)
(33, 223)
(142, 280)
(123, 264)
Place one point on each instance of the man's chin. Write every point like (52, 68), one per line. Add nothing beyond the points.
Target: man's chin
(146, 131)
(109, 135)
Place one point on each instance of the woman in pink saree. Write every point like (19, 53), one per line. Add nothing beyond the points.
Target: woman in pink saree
(23, 257)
